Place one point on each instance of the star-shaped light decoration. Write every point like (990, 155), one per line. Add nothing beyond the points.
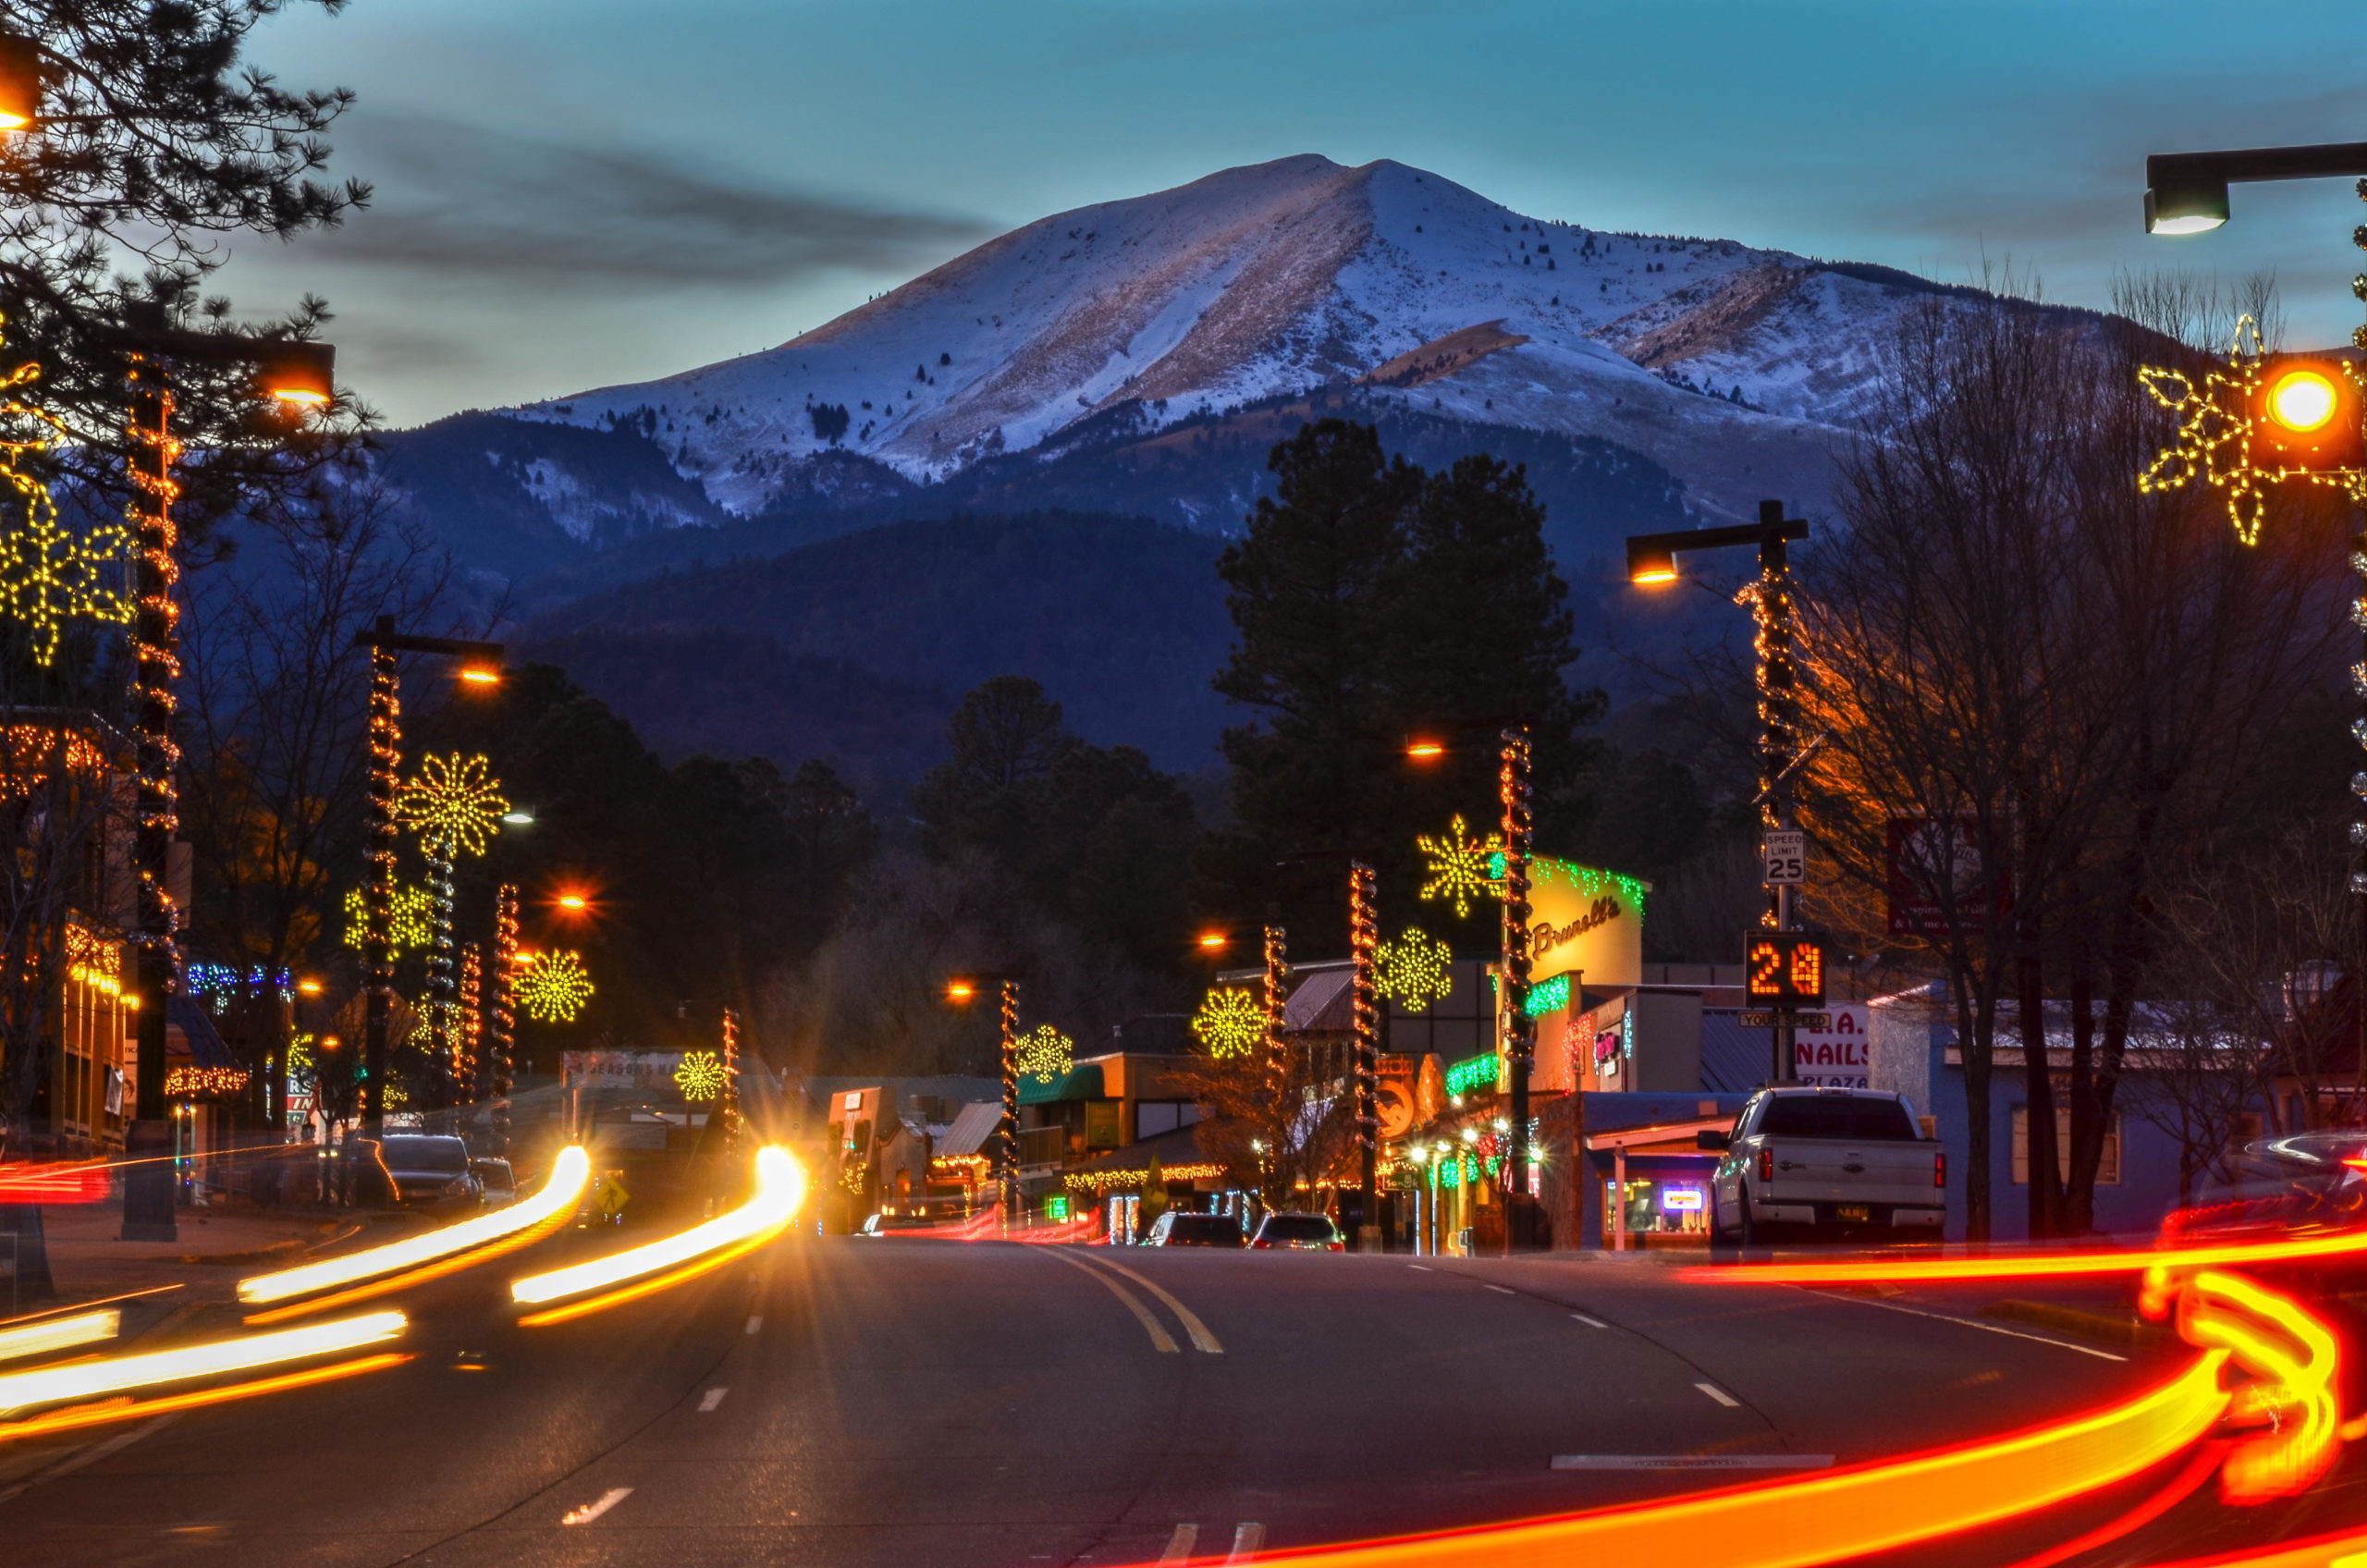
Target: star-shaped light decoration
(1461, 869)
(47, 575)
(1231, 1023)
(2215, 437)
(552, 986)
(1412, 970)
(1045, 1056)
(455, 802)
(701, 1075)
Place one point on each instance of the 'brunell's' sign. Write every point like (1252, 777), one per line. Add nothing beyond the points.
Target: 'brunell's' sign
(1585, 921)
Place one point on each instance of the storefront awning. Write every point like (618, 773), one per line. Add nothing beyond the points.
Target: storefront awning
(1081, 1084)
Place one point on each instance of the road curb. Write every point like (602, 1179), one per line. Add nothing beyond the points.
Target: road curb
(2126, 1333)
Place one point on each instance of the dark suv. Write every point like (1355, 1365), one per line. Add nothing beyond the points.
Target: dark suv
(1173, 1229)
(1298, 1232)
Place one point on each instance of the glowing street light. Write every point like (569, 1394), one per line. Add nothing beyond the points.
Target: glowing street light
(2187, 193)
(1426, 751)
(19, 82)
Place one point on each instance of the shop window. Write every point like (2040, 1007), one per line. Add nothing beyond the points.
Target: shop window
(2107, 1167)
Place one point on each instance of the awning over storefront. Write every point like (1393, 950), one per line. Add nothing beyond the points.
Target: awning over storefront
(1125, 1170)
(1081, 1084)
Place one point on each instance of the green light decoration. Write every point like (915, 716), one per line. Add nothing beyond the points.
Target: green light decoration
(1413, 970)
(1461, 869)
(1056, 1208)
(1472, 1073)
(1590, 881)
(414, 924)
(1230, 1023)
(48, 575)
(454, 802)
(1045, 1056)
(1549, 995)
(552, 987)
(701, 1075)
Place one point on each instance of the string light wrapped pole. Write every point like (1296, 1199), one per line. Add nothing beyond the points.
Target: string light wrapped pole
(1271, 994)
(1364, 945)
(495, 1066)
(481, 670)
(962, 990)
(472, 1031)
(1513, 791)
(457, 806)
(1651, 561)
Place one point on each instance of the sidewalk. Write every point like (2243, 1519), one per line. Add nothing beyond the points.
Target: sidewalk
(216, 1249)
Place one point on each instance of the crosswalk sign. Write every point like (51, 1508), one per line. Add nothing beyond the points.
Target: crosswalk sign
(613, 1196)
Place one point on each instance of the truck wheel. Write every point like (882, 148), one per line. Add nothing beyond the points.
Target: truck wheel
(1746, 1234)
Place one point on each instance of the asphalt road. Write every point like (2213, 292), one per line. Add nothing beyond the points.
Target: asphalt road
(908, 1401)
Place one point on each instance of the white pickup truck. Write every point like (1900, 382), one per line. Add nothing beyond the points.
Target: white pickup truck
(1826, 1162)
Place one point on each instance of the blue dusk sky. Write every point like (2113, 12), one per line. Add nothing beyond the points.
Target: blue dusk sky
(578, 192)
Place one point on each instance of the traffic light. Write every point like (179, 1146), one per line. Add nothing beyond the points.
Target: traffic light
(2305, 414)
(1783, 969)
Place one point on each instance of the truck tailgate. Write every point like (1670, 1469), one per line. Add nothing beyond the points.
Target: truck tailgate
(1875, 1171)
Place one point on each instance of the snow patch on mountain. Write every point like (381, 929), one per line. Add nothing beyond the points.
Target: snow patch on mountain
(1736, 368)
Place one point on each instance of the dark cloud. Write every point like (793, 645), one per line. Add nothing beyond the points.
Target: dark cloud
(458, 203)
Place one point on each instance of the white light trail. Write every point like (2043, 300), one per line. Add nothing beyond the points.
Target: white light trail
(122, 1374)
(781, 1189)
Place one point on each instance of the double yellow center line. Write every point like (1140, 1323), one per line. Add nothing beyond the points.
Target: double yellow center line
(1160, 1340)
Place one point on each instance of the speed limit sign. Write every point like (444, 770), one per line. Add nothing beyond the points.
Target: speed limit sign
(1785, 858)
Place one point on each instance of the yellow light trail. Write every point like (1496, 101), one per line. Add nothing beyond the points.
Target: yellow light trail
(106, 1375)
(60, 1333)
(781, 1191)
(82, 1416)
(549, 1207)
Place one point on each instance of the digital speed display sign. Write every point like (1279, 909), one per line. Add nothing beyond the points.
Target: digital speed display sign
(1783, 969)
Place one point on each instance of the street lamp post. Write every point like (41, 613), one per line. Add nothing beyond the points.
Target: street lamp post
(1652, 561)
(2187, 193)
(961, 990)
(299, 374)
(481, 667)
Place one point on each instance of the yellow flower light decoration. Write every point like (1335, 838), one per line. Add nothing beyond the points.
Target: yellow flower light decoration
(552, 987)
(413, 925)
(455, 803)
(1231, 1023)
(1045, 1056)
(1461, 868)
(1413, 970)
(47, 575)
(701, 1075)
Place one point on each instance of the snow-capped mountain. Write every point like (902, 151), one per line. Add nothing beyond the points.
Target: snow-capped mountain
(1731, 368)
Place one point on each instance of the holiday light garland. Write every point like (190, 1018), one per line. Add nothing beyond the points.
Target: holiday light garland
(47, 576)
(701, 1075)
(1364, 943)
(156, 663)
(471, 1022)
(1230, 1022)
(1461, 868)
(1045, 1054)
(181, 1082)
(552, 986)
(1413, 970)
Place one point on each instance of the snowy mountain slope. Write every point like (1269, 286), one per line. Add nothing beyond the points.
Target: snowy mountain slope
(1281, 278)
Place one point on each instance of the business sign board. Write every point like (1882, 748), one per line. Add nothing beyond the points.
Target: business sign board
(1929, 856)
(1585, 922)
(650, 1071)
(1837, 1055)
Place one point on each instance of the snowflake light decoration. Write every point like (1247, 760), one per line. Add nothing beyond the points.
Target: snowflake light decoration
(455, 803)
(1413, 970)
(2214, 437)
(701, 1075)
(411, 927)
(47, 575)
(553, 988)
(1045, 1056)
(1230, 1023)
(1461, 869)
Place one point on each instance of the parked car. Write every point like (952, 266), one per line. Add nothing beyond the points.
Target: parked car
(1826, 1162)
(430, 1170)
(1298, 1232)
(495, 1180)
(1173, 1229)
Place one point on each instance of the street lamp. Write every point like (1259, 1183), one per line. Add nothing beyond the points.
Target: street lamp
(378, 881)
(2300, 420)
(1364, 994)
(961, 990)
(1651, 559)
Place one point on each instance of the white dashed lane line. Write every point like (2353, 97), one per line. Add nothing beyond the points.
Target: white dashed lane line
(1720, 1394)
(1180, 1544)
(1502, 1292)
(1420, 1270)
(1246, 1540)
(591, 1510)
(755, 1323)
(1590, 1322)
(714, 1397)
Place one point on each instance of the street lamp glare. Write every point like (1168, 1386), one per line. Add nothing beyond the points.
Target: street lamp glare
(573, 902)
(1650, 563)
(308, 987)
(19, 82)
(2303, 400)
(481, 675)
(1212, 942)
(301, 374)
(1423, 750)
(959, 991)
